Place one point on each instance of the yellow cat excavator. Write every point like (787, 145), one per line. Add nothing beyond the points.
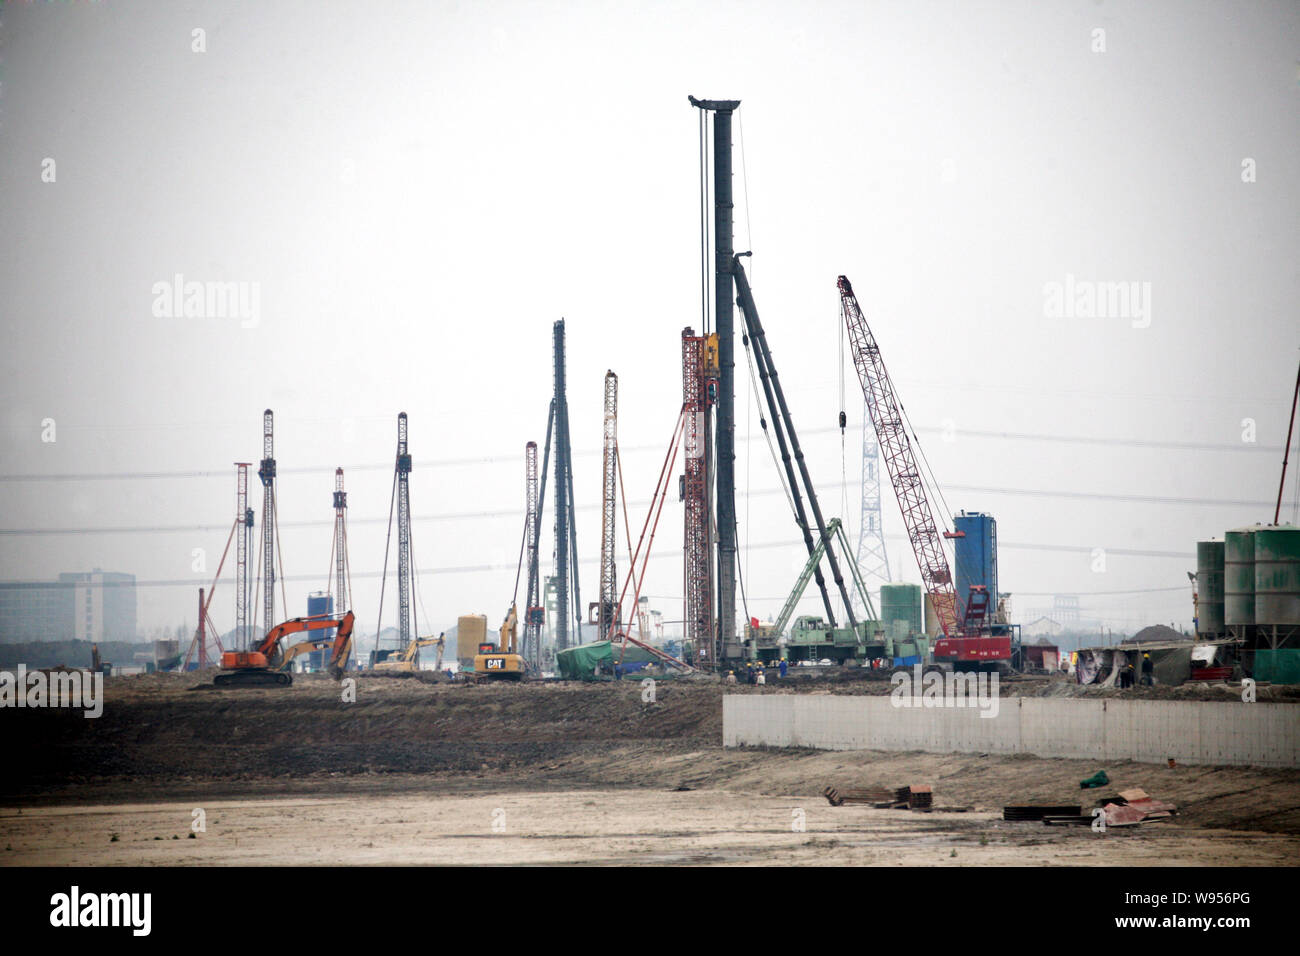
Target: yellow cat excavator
(501, 662)
(260, 667)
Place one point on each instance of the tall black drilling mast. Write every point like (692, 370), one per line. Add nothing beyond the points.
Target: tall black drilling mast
(724, 432)
(266, 472)
(566, 548)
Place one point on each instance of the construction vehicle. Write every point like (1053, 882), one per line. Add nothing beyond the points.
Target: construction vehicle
(811, 637)
(305, 647)
(966, 644)
(501, 661)
(818, 533)
(409, 660)
(260, 667)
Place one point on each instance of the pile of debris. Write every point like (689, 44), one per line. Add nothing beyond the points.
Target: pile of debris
(915, 797)
(1127, 808)
(1135, 806)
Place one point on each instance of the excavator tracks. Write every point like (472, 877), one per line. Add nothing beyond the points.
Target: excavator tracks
(253, 679)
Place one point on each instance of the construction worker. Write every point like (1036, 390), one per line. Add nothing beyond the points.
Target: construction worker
(1147, 669)
(783, 667)
(1128, 677)
(759, 676)
(731, 677)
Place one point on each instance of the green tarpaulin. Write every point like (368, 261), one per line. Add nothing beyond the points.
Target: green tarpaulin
(580, 663)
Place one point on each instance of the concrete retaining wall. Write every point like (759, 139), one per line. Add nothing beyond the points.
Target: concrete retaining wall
(1151, 731)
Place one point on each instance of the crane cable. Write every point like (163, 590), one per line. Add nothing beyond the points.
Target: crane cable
(749, 239)
(415, 577)
(844, 475)
(279, 551)
(704, 223)
(383, 581)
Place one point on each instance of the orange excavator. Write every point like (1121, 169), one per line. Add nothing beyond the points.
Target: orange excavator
(261, 667)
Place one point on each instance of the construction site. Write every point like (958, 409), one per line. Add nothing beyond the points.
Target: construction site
(737, 740)
(525, 698)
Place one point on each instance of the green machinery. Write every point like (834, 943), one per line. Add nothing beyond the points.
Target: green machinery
(812, 638)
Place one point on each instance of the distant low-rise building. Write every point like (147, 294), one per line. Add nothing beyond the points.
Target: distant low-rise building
(79, 605)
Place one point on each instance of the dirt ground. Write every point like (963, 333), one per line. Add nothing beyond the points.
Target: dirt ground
(412, 772)
(593, 827)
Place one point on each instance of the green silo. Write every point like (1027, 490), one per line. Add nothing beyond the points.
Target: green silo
(1239, 577)
(900, 609)
(1277, 576)
(1209, 588)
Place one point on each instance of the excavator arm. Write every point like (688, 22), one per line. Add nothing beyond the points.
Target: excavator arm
(508, 629)
(342, 643)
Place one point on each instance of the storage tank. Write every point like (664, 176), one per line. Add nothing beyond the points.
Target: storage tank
(471, 631)
(1209, 588)
(975, 554)
(1277, 575)
(319, 604)
(900, 609)
(931, 618)
(1239, 577)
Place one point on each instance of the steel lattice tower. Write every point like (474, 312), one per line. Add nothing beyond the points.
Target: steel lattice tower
(201, 638)
(697, 567)
(341, 605)
(872, 559)
(267, 473)
(534, 613)
(607, 622)
(243, 531)
(404, 571)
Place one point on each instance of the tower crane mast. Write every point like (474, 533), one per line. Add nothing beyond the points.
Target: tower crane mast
(340, 543)
(534, 612)
(243, 532)
(266, 472)
(608, 512)
(404, 633)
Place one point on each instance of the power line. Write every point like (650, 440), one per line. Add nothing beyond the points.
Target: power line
(768, 492)
(224, 473)
(767, 545)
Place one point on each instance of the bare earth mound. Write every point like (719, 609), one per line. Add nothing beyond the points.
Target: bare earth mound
(444, 757)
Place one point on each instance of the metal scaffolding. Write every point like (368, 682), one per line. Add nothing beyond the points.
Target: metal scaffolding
(403, 474)
(243, 579)
(534, 613)
(606, 622)
(697, 568)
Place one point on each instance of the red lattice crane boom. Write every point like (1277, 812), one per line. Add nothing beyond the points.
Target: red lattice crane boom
(896, 449)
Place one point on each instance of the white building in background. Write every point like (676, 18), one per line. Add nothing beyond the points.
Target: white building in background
(80, 605)
(1042, 627)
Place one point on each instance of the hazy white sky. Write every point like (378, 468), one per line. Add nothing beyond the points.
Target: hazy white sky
(420, 189)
